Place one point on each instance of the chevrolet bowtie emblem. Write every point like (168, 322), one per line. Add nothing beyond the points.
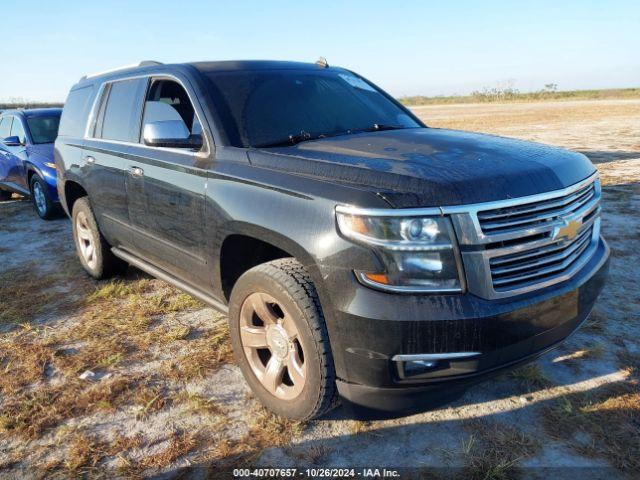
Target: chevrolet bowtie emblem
(568, 230)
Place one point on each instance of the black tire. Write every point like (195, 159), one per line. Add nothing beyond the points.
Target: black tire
(5, 195)
(41, 200)
(105, 264)
(287, 281)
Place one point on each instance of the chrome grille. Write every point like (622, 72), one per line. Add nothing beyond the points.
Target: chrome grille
(534, 214)
(530, 266)
(518, 245)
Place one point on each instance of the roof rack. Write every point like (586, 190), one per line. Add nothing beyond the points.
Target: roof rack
(144, 63)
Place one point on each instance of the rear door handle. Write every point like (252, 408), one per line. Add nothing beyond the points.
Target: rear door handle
(90, 160)
(136, 171)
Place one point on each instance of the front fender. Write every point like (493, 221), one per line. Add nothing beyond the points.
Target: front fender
(301, 224)
(47, 174)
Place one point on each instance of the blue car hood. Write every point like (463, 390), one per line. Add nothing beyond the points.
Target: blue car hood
(432, 167)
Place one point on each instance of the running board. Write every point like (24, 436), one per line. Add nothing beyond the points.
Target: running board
(167, 277)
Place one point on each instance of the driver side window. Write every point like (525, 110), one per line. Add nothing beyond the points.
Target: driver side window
(167, 100)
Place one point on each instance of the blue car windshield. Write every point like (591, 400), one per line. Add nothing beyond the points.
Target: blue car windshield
(272, 108)
(43, 129)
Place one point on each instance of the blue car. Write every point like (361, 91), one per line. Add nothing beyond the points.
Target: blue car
(26, 157)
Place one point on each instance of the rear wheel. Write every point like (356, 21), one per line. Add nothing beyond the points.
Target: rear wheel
(41, 199)
(280, 340)
(93, 250)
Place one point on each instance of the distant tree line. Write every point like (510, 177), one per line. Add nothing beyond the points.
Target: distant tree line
(28, 104)
(507, 93)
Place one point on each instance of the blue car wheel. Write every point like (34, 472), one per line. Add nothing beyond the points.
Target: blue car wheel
(41, 199)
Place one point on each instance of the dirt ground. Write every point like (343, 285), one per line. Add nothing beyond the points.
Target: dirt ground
(164, 395)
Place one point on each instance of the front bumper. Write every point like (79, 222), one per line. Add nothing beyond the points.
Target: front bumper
(507, 332)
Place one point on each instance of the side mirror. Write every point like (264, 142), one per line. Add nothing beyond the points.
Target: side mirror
(12, 142)
(170, 134)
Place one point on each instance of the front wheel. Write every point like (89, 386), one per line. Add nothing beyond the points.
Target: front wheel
(45, 207)
(280, 340)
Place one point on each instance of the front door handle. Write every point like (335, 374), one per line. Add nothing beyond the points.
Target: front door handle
(90, 160)
(136, 172)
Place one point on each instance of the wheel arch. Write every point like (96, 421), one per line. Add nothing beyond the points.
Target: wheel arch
(72, 190)
(236, 254)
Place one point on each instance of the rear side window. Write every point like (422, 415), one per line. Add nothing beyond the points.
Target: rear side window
(121, 114)
(75, 112)
(5, 127)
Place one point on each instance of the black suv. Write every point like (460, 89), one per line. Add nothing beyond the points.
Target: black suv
(356, 251)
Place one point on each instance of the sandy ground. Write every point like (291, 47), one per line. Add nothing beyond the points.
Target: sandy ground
(567, 410)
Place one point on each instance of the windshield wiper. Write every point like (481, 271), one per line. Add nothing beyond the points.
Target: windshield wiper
(306, 136)
(378, 127)
(292, 139)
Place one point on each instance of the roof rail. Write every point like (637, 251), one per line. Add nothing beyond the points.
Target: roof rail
(144, 63)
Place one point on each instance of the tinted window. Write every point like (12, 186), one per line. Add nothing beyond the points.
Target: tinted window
(264, 108)
(168, 101)
(17, 130)
(43, 129)
(122, 111)
(5, 127)
(75, 112)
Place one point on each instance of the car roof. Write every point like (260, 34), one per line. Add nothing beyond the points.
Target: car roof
(33, 112)
(252, 65)
(151, 67)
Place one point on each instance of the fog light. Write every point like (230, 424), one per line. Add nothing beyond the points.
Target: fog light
(418, 367)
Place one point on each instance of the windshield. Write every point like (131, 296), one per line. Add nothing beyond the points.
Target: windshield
(43, 129)
(269, 108)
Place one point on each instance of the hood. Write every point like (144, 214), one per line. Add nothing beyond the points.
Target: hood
(422, 167)
(41, 153)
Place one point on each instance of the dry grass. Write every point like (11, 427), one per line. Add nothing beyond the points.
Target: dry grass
(179, 444)
(530, 376)
(601, 424)
(24, 293)
(32, 411)
(116, 324)
(206, 353)
(596, 323)
(493, 450)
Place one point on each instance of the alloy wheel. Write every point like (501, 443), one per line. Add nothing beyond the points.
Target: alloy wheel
(271, 344)
(86, 242)
(40, 199)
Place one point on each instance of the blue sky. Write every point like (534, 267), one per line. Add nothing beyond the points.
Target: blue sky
(406, 47)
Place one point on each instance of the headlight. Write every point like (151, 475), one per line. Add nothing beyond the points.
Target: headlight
(419, 252)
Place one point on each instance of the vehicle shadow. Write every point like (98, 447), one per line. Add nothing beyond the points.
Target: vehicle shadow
(605, 156)
(456, 443)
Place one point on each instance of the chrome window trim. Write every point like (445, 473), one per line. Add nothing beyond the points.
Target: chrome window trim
(92, 118)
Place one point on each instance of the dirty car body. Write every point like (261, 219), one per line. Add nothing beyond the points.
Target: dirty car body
(440, 257)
